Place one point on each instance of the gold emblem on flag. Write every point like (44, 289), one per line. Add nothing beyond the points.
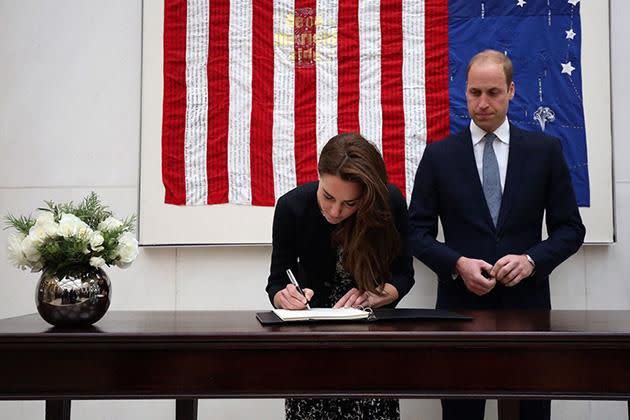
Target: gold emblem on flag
(304, 30)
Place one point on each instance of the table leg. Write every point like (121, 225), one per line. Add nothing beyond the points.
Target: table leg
(508, 409)
(58, 409)
(186, 409)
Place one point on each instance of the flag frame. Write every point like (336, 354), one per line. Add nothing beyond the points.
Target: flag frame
(162, 224)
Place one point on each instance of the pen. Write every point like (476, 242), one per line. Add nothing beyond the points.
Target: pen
(297, 286)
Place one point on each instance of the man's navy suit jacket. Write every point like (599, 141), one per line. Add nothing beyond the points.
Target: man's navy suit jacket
(537, 181)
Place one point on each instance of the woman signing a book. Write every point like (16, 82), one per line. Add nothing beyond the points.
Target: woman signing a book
(345, 238)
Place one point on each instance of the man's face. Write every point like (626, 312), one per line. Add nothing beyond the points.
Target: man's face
(488, 95)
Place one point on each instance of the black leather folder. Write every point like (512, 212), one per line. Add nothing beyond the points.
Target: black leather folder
(377, 315)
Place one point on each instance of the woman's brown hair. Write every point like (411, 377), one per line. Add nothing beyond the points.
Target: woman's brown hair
(369, 238)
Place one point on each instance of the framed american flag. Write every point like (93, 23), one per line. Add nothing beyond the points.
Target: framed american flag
(239, 96)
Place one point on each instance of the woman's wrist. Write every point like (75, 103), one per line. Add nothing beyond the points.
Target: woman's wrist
(276, 300)
(387, 295)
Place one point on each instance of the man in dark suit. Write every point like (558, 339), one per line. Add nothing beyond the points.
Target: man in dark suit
(491, 185)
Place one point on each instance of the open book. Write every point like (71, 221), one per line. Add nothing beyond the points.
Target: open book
(321, 314)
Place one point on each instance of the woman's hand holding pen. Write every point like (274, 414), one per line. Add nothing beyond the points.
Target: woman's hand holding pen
(291, 298)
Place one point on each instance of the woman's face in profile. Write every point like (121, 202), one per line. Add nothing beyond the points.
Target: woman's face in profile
(337, 199)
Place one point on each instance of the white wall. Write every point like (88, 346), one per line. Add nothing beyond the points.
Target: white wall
(69, 124)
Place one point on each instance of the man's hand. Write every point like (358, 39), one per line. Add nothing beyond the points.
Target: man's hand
(511, 269)
(472, 272)
(290, 298)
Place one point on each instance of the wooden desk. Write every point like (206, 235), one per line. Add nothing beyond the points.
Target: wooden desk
(190, 355)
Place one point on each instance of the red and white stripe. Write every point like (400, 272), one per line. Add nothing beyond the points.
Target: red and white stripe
(240, 100)
(195, 143)
(370, 112)
(244, 123)
(327, 71)
(283, 150)
(414, 95)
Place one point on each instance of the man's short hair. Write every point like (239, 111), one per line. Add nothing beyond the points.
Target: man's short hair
(493, 56)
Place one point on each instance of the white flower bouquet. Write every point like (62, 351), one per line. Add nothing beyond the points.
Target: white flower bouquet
(65, 239)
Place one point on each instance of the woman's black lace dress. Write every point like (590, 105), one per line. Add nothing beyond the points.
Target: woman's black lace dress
(342, 408)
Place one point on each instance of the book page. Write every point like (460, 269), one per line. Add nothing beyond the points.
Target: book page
(321, 313)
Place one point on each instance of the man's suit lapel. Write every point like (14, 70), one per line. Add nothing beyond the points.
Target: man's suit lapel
(513, 176)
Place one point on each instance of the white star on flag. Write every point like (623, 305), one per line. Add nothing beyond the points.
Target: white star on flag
(570, 34)
(567, 68)
(521, 3)
(573, 2)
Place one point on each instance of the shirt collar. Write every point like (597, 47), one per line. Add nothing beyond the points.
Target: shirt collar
(502, 133)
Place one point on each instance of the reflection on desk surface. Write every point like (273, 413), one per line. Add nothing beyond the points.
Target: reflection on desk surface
(228, 325)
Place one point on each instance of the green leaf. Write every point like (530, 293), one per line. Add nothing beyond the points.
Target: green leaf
(22, 224)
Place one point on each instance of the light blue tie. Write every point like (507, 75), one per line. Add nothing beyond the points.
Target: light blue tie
(491, 178)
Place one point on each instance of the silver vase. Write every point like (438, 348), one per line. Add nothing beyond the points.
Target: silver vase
(79, 298)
